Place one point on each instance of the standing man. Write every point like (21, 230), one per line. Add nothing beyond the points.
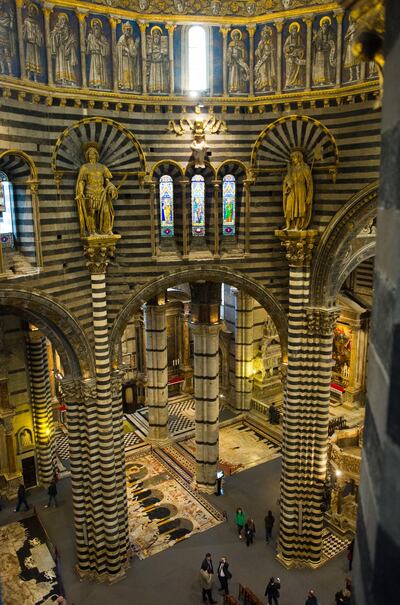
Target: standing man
(272, 591)
(269, 523)
(52, 492)
(206, 573)
(224, 574)
(21, 498)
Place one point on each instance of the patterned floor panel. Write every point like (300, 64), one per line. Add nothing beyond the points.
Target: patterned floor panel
(332, 545)
(62, 447)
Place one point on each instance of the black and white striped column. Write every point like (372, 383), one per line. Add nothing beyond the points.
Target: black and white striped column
(306, 411)
(244, 324)
(42, 409)
(157, 373)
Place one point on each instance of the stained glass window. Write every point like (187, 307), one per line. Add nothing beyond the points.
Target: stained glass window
(228, 204)
(7, 219)
(167, 206)
(198, 218)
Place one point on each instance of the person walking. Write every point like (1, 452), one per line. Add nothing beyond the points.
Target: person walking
(350, 550)
(206, 575)
(272, 591)
(249, 531)
(239, 520)
(224, 575)
(269, 523)
(21, 498)
(312, 598)
(52, 492)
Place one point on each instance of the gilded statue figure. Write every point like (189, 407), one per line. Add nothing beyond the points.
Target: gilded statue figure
(33, 43)
(7, 38)
(94, 195)
(297, 193)
(294, 51)
(128, 60)
(350, 61)
(264, 69)
(98, 48)
(324, 57)
(157, 61)
(238, 69)
(64, 49)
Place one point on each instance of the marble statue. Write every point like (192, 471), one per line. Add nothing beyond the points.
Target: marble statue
(238, 69)
(324, 57)
(25, 438)
(294, 51)
(199, 145)
(157, 61)
(265, 67)
(297, 192)
(350, 61)
(94, 195)
(33, 43)
(98, 48)
(64, 48)
(128, 60)
(7, 38)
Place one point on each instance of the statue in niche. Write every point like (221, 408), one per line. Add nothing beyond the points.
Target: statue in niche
(294, 51)
(324, 58)
(94, 195)
(199, 145)
(265, 70)
(33, 43)
(128, 60)
(372, 70)
(98, 48)
(238, 69)
(7, 38)
(350, 61)
(64, 48)
(25, 438)
(297, 193)
(157, 61)
(215, 7)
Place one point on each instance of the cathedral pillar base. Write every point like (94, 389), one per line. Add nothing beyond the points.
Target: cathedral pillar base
(299, 563)
(104, 577)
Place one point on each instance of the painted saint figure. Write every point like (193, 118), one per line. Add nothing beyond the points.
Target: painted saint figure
(157, 61)
(350, 61)
(64, 48)
(238, 69)
(294, 51)
(33, 43)
(324, 58)
(297, 193)
(7, 38)
(128, 60)
(265, 67)
(94, 195)
(98, 48)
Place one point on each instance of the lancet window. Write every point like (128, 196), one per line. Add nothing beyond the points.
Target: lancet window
(167, 206)
(7, 217)
(198, 206)
(197, 59)
(228, 204)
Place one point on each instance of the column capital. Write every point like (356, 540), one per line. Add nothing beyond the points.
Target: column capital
(113, 21)
(279, 23)
(170, 27)
(224, 29)
(99, 249)
(251, 30)
(76, 390)
(299, 245)
(308, 20)
(143, 26)
(203, 328)
(322, 320)
(81, 14)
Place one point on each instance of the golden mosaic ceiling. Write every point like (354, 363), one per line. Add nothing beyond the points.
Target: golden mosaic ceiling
(223, 8)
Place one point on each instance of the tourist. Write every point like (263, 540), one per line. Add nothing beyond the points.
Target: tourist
(206, 575)
(342, 597)
(52, 492)
(312, 599)
(21, 498)
(249, 531)
(269, 523)
(239, 520)
(350, 550)
(272, 591)
(224, 575)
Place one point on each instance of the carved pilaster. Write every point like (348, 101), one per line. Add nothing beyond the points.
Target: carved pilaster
(224, 31)
(308, 21)
(19, 5)
(339, 19)
(113, 24)
(299, 245)
(143, 26)
(279, 27)
(171, 28)
(321, 321)
(47, 10)
(99, 249)
(251, 30)
(81, 18)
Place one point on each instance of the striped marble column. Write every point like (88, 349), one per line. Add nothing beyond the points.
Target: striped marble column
(306, 410)
(157, 372)
(243, 350)
(42, 409)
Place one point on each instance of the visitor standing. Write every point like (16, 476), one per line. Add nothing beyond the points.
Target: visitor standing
(350, 550)
(206, 575)
(249, 531)
(52, 492)
(240, 521)
(272, 592)
(21, 498)
(269, 523)
(224, 574)
(312, 598)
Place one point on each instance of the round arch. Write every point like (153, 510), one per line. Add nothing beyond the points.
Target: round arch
(16, 169)
(210, 273)
(167, 162)
(341, 247)
(57, 323)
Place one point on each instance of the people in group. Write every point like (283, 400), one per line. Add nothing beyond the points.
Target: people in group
(272, 592)
(350, 550)
(312, 598)
(206, 575)
(21, 498)
(342, 597)
(240, 521)
(224, 575)
(52, 493)
(269, 523)
(249, 531)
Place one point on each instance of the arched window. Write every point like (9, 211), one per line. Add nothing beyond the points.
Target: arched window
(228, 204)
(7, 218)
(197, 59)
(198, 214)
(167, 206)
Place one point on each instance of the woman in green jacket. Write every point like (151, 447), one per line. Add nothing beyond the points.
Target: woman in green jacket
(240, 521)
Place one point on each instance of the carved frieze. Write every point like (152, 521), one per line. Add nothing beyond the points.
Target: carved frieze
(78, 390)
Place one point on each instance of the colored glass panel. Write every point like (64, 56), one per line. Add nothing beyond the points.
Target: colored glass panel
(228, 204)
(167, 206)
(198, 218)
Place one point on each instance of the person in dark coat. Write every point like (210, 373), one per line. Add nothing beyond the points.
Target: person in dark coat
(272, 591)
(206, 574)
(312, 599)
(269, 523)
(350, 550)
(21, 498)
(224, 575)
(249, 531)
(52, 492)
(342, 597)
